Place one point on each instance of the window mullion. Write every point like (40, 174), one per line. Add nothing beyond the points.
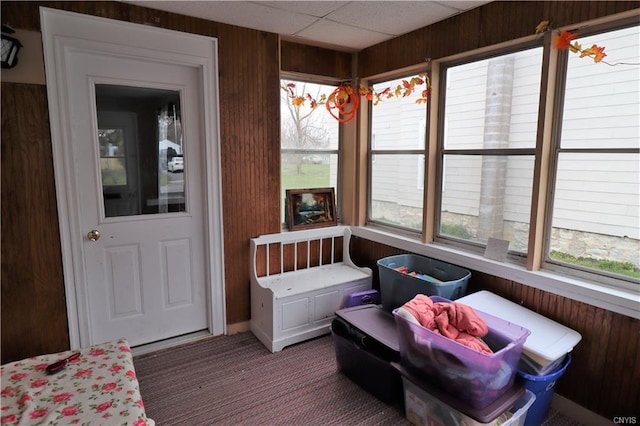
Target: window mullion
(543, 176)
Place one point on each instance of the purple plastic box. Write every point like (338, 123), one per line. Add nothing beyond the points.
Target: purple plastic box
(474, 378)
(366, 297)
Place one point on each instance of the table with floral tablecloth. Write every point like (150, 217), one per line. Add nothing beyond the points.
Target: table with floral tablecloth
(98, 387)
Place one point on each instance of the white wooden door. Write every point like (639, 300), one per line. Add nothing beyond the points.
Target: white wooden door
(142, 242)
(146, 271)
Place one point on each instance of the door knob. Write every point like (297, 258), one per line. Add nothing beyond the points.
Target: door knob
(93, 235)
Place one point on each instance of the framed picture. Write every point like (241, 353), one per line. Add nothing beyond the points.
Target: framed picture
(310, 208)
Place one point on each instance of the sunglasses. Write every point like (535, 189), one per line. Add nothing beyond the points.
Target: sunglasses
(60, 365)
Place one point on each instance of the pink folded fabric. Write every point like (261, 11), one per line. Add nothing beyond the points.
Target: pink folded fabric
(455, 321)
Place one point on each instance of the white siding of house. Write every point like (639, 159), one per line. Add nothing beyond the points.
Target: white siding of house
(597, 196)
(399, 123)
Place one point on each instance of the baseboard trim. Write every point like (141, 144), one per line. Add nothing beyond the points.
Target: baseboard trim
(169, 343)
(578, 412)
(239, 327)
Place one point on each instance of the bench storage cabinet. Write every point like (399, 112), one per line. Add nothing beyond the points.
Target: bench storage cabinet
(298, 280)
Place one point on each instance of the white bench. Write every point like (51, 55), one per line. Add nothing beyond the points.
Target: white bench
(298, 280)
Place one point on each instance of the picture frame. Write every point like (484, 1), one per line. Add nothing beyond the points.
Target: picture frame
(310, 208)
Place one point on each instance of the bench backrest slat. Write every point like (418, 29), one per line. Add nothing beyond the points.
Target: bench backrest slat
(326, 238)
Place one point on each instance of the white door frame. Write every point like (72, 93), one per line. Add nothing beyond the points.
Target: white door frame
(62, 31)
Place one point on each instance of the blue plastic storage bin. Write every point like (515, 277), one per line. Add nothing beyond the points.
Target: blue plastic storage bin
(543, 387)
(433, 278)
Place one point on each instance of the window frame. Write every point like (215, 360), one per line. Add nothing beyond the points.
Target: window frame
(373, 151)
(318, 80)
(560, 79)
(531, 267)
(441, 151)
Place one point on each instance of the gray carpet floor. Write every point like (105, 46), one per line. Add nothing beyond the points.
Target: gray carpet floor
(235, 380)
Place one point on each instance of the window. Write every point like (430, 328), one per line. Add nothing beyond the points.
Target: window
(595, 208)
(309, 142)
(488, 135)
(489, 120)
(396, 181)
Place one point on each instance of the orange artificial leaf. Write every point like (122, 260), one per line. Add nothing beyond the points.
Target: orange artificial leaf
(365, 91)
(594, 51)
(542, 27)
(421, 101)
(563, 40)
(298, 101)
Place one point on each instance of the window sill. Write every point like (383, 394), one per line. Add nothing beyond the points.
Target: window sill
(625, 302)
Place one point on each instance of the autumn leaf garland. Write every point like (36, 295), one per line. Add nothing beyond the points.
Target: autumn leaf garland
(563, 41)
(344, 101)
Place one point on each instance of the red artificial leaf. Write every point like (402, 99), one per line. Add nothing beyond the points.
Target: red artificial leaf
(563, 40)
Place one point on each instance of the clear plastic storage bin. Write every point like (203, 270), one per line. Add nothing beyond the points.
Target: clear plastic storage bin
(432, 277)
(424, 409)
(476, 379)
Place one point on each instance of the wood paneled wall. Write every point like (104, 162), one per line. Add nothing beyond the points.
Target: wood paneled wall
(34, 315)
(604, 374)
(493, 23)
(298, 58)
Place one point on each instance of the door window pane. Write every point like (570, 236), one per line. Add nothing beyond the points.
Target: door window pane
(112, 157)
(142, 161)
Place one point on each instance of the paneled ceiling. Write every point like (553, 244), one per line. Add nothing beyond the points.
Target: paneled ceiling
(347, 26)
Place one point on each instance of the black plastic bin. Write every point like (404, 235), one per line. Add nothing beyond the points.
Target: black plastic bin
(365, 341)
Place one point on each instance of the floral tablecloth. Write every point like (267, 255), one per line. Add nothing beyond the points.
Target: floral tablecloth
(99, 387)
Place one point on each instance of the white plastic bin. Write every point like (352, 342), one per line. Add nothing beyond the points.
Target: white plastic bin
(549, 342)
